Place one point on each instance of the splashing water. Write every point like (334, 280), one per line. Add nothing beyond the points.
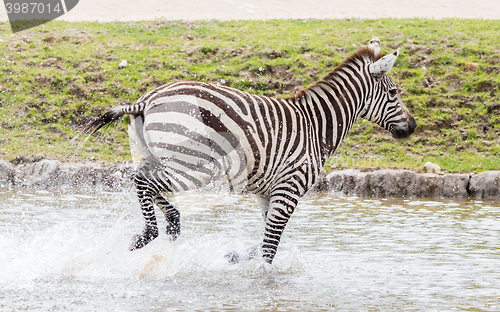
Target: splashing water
(65, 251)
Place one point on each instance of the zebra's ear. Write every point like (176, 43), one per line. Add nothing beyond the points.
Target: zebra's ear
(384, 65)
(374, 45)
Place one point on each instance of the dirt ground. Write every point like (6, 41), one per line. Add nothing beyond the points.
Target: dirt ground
(131, 10)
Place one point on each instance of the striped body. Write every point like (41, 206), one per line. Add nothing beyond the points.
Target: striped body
(186, 135)
(202, 133)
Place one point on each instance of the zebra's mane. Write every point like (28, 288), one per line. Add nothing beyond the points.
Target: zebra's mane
(361, 54)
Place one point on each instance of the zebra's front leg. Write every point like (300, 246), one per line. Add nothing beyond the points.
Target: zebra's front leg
(282, 204)
(145, 193)
(172, 216)
(254, 251)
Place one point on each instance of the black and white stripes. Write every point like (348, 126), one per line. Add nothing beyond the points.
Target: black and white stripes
(188, 134)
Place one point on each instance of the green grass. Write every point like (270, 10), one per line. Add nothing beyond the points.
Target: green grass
(55, 76)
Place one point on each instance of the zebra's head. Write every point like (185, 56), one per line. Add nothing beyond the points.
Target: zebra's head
(383, 104)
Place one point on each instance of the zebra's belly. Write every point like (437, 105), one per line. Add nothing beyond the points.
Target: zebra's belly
(195, 146)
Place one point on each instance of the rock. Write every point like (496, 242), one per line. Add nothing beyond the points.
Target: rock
(48, 62)
(485, 185)
(51, 60)
(117, 175)
(396, 183)
(456, 185)
(375, 183)
(308, 57)
(6, 174)
(41, 174)
(430, 167)
(123, 63)
(50, 174)
(92, 177)
(472, 67)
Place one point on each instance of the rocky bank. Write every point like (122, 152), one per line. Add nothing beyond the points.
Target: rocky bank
(51, 174)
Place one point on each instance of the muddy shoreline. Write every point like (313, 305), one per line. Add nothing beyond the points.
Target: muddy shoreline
(52, 174)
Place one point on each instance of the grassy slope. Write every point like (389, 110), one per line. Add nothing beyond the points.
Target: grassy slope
(55, 76)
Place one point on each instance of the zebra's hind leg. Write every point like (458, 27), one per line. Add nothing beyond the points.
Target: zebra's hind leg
(146, 192)
(172, 216)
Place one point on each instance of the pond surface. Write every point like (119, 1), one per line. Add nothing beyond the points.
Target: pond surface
(62, 251)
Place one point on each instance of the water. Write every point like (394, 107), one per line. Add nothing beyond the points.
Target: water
(69, 252)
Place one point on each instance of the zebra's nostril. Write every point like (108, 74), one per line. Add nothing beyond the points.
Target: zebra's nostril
(412, 124)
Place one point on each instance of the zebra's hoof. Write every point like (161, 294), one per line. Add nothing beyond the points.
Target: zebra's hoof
(174, 230)
(142, 240)
(233, 257)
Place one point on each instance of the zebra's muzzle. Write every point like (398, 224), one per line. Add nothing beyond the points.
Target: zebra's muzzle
(404, 131)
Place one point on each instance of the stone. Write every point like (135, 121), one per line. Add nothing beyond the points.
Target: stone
(485, 185)
(92, 177)
(51, 60)
(6, 174)
(50, 174)
(430, 167)
(456, 185)
(40, 174)
(472, 67)
(396, 183)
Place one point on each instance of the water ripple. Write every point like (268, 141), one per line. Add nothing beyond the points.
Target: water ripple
(70, 252)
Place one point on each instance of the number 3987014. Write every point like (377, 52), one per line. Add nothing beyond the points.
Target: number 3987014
(32, 8)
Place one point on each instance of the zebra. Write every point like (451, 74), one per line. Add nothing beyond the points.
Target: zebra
(188, 134)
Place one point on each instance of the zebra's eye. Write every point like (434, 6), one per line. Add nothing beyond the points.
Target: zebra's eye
(393, 92)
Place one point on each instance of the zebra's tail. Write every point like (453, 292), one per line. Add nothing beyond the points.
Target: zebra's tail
(112, 115)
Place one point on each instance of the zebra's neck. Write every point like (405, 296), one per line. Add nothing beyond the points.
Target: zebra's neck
(337, 102)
